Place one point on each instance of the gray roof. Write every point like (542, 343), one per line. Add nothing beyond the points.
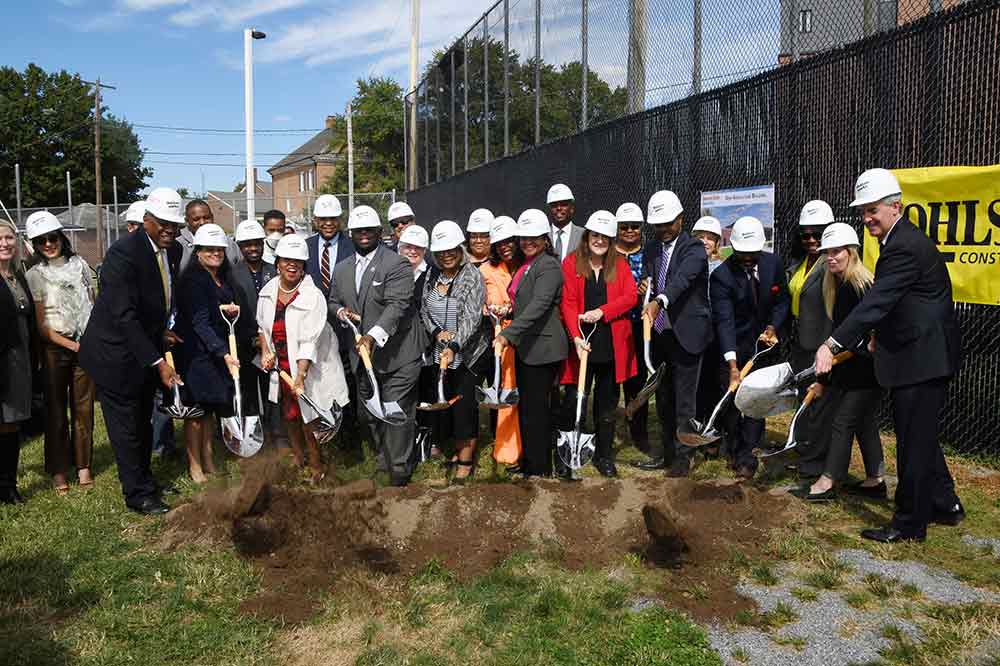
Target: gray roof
(263, 200)
(316, 149)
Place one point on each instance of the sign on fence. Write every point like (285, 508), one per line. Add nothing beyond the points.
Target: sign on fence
(727, 206)
(959, 209)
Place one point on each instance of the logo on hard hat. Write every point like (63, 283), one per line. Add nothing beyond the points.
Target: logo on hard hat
(657, 208)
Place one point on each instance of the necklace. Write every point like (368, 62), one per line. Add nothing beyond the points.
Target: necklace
(15, 290)
(288, 291)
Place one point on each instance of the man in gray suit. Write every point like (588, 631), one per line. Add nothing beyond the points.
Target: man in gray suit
(565, 235)
(375, 291)
(196, 213)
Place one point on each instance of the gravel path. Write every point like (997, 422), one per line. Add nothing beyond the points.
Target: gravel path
(993, 544)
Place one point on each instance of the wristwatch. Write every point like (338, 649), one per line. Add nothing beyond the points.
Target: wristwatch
(833, 346)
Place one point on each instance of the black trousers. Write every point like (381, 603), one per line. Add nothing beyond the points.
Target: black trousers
(393, 442)
(638, 427)
(534, 384)
(10, 456)
(601, 378)
(925, 485)
(131, 433)
(676, 397)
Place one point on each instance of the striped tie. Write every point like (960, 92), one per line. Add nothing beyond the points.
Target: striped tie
(661, 323)
(324, 266)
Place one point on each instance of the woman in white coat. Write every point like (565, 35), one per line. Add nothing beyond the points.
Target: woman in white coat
(296, 339)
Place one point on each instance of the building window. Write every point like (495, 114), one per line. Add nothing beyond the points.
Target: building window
(302, 181)
(288, 205)
(806, 20)
(311, 183)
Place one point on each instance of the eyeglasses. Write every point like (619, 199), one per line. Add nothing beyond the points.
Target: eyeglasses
(47, 238)
(630, 227)
(810, 235)
(401, 221)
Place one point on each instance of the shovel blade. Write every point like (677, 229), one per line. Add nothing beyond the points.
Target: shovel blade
(646, 392)
(388, 412)
(764, 392)
(244, 437)
(177, 410)
(695, 434)
(575, 449)
(509, 397)
(438, 406)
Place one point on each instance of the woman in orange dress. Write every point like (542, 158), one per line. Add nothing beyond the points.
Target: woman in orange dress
(504, 260)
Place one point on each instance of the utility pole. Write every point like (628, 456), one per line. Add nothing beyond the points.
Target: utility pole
(696, 59)
(114, 182)
(350, 162)
(97, 164)
(251, 176)
(414, 55)
(17, 188)
(636, 77)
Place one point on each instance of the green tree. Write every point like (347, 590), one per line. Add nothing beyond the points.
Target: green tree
(47, 126)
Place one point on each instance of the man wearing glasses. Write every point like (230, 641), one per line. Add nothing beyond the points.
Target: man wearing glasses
(400, 216)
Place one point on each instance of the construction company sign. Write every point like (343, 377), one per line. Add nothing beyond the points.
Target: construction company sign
(959, 209)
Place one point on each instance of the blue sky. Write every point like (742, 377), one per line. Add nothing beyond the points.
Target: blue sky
(179, 63)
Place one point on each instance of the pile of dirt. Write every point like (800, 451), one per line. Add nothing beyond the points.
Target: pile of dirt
(303, 539)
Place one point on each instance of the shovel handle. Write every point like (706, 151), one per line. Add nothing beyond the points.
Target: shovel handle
(810, 396)
(363, 353)
(235, 372)
(581, 381)
(287, 378)
(443, 364)
(746, 370)
(647, 329)
(169, 358)
(842, 356)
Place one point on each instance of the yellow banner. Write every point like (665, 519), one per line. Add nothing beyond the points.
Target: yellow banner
(959, 209)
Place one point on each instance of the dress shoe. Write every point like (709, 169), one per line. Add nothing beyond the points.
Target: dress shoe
(950, 518)
(873, 492)
(889, 534)
(151, 506)
(825, 496)
(680, 468)
(650, 464)
(10, 496)
(606, 468)
(745, 472)
(398, 481)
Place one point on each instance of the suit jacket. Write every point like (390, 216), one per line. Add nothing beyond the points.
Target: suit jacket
(813, 325)
(686, 289)
(910, 307)
(738, 320)
(536, 329)
(186, 240)
(575, 234)
(345, 249)
(385, 300)
(125, 332)
(246, 327)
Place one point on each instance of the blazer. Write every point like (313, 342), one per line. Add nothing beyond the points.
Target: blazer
(738, 321)
(309, 338)
(125, 331)
(247, 288)
(622, 296)
(910, 307)
(469, 291)
(813, 325)
(535, 329)
(686, 289)
(575, 234)
(345, 249)
(10, 336)
(385, 300)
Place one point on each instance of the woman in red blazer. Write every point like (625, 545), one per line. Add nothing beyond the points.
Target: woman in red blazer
(599, 290)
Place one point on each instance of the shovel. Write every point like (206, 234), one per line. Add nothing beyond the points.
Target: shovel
(178, 410)
(495, 397)
(388, 412)
(654, 377)
(441, 404)
(772, 391)
(791, 442)
(701, 435)
(244, 436)
(576, 448)
(324, 423)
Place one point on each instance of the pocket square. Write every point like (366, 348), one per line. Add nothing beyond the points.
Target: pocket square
(376, 284)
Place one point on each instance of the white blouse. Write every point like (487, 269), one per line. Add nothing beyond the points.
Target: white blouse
(66, 291)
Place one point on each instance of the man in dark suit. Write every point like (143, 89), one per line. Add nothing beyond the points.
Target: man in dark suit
(563, 234)
(917, 350)
(122, 348)
(677, 266)
(749, 295)
(375, 290)
(328, 247)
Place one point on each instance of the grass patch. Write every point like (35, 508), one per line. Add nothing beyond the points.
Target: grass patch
(830, 576)
(778, 616)
(858, 599)
(797, 642)
(740, 655)
(763, 575)
(880, 586)
(804, 594)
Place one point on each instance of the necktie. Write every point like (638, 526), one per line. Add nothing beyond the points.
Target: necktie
(359, 273)
(754, 285)
(324, 266)
(161, 260)
(559, 244)
(661, 324)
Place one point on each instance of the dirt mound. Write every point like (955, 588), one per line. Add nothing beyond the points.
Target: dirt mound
(303, 539)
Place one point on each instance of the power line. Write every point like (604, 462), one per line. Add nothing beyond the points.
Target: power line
(306, 154)
(219, 130)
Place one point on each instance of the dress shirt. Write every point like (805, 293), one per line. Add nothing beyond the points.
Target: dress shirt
(731, 355)
(662, 298)
(563, 236)
(161, 257)
(361, 262)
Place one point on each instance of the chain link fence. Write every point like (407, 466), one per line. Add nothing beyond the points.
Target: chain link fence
(533, 71)
(922, 94)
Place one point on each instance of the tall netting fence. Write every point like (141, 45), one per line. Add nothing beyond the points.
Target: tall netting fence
(921, 94)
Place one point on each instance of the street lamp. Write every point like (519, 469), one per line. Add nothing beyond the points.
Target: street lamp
(251, 185)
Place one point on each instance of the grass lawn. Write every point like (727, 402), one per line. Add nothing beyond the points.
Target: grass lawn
(83, 581)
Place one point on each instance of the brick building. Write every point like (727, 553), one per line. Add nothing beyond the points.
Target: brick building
(297, 177)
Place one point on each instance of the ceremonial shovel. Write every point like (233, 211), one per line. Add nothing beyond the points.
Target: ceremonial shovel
(244, 436)
(772, 391)
(654, 376)
(388, 412)
(441, 404)
(791, 442)
(177, 410)
(324, 423)
(577, 448)
(495, 397)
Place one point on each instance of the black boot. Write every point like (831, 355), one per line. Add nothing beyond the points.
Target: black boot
(10, 456)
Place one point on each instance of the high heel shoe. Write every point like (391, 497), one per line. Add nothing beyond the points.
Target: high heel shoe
(461, 480)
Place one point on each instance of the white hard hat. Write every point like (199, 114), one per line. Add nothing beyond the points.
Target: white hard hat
(839, 234)
(602, 222)
(628, 212)
(292, 246)
(558, 192)
(747, 235)
(663, 208)
(446, 235)
(164, 204)
(364, 217)
(532, 223)
(480, 221)
(874, 185)
(709, 224)
(816, 213)
(400, 209)
(414, 235)
(135, 212)
(249, 230)
(327, 205)
(210, 235)
(503, 228)
(41, 223)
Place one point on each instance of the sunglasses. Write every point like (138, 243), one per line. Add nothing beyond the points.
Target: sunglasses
(630, 227)
(47, 238)
(400, 222)
(814, 235)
